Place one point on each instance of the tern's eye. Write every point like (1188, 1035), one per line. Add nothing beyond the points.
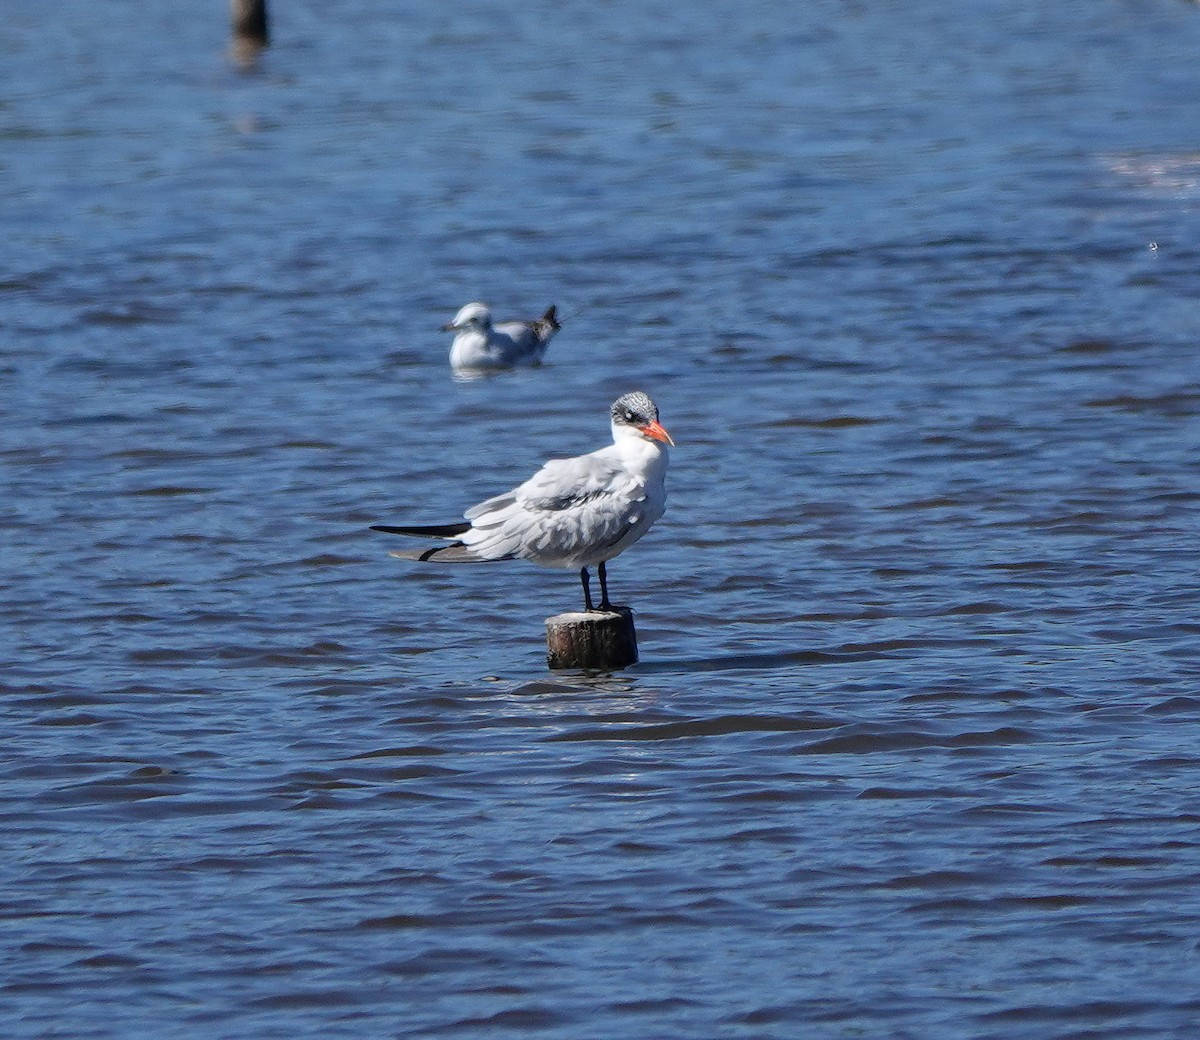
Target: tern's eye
(629, 416)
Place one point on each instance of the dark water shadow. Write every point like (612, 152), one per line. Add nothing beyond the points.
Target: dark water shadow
(747, 662)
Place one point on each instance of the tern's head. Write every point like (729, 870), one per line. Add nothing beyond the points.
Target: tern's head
(635, 415)
(472, 316)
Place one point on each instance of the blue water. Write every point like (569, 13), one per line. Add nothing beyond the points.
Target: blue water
(912, 748)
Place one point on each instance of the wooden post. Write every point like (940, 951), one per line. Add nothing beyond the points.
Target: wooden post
(250, 20)
(596, 641)
(250, 36)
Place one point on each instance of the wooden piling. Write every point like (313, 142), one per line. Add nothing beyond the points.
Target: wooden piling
(250, 20)
(597, 640)
(249, 23)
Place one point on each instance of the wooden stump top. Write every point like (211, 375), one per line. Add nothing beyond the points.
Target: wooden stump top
(597, 640)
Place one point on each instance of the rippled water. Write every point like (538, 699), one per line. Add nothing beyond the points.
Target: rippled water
(912, 750)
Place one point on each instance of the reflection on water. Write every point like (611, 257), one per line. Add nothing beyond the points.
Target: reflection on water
(737, 662)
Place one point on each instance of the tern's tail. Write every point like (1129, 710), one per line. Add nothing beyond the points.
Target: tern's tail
(433, 531)
(455, 552)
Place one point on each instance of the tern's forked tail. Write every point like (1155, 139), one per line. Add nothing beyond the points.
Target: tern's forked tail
(455, 552)
(431, 531)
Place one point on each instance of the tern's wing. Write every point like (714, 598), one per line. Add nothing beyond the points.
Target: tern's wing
(568, 510)
(456, 553)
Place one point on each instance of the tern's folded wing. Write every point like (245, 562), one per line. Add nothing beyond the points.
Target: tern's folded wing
(569, 509)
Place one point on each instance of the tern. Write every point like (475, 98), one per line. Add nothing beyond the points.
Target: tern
(478, 344)
(572, 513)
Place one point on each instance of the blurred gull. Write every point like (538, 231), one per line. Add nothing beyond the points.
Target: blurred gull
(478, 344)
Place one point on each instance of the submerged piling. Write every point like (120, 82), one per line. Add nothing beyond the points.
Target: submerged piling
(597, 640)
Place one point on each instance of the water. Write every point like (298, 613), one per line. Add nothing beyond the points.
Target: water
(912, 751)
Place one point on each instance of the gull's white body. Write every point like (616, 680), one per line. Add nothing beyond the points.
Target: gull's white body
(479, 344)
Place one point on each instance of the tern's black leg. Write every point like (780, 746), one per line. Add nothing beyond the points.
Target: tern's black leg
(587, 588)
(604, 604)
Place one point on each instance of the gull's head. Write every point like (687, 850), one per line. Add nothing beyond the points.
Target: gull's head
(635, 415)
(472, 316)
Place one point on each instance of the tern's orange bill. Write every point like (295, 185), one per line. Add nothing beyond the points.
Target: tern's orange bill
(655, 432)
